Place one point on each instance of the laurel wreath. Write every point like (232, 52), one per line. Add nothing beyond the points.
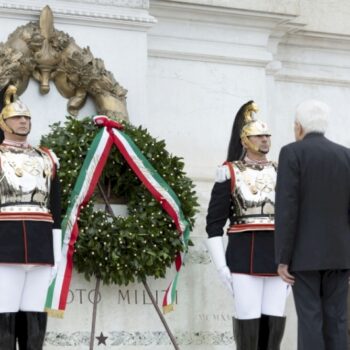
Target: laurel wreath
(122, 249)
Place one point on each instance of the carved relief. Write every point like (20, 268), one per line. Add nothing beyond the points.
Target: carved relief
(40, 51)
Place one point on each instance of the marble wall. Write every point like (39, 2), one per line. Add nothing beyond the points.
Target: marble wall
(188, 66)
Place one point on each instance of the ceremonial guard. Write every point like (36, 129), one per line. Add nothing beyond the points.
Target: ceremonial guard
(30, 235)
(244, 194)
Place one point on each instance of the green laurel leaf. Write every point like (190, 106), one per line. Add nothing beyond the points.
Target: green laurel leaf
(121, 250)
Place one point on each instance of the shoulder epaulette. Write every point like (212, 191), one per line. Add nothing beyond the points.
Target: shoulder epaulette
(52, 156)
(222, 173)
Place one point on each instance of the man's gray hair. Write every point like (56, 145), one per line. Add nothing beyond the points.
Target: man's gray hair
(313, 116)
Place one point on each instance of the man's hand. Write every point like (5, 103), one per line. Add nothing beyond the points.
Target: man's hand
(285, 275)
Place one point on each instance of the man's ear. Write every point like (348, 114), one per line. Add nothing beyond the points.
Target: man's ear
(300, 130)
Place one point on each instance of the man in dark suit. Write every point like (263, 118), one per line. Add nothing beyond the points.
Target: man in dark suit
(312, 237)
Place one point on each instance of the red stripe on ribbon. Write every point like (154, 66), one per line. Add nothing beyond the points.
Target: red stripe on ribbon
(75, 230)
(113, 139)
(164, 203)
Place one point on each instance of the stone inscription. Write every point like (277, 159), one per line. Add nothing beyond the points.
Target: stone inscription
(127, 296)
(214, 317)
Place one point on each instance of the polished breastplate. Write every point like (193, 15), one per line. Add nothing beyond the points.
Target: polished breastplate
(254, 193)
(25, 178)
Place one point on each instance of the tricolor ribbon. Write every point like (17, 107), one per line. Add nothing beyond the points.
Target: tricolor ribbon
(95, 160)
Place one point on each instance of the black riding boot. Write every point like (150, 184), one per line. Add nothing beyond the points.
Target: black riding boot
(21, 329)
(31, 329)
(263, 333)
(7, 330)
(276, 331)
(246, 333)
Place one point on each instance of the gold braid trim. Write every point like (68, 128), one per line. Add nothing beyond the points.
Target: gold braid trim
(168, 308)
(54, 313)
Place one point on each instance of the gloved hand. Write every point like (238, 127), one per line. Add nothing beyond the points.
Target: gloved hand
(217, 254)
(226, 278)
(57, 252)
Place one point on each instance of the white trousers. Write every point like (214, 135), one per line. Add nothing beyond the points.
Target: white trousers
(255, 295)
(23, 287)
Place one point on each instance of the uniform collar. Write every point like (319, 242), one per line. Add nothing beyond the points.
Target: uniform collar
(11, 143)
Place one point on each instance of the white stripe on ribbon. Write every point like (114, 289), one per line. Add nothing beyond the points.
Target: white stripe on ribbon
(73, 217)
(159, 188)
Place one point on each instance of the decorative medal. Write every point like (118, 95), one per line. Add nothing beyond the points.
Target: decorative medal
(265, 183)
(19, 172)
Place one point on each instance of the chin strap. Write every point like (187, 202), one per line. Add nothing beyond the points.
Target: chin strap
(4, 126)
(249, 145)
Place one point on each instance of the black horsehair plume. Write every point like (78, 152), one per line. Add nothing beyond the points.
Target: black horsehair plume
(235, 148)
(2, 96)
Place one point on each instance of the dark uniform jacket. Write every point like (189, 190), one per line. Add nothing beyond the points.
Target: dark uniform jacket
(248, 252)
(313, 205)
(26, 237)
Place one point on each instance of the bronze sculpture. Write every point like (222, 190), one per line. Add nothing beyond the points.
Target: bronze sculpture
(40, 51)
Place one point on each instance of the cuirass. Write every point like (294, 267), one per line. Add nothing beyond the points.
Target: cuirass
(25, 177)
(254, 193)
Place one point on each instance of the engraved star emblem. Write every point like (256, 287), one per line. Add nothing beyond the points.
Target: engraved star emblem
(101, 339)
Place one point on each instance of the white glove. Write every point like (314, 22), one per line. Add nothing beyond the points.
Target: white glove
(226, 278)
(217, 253)
(57, 251)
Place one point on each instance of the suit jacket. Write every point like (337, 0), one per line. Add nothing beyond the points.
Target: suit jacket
(312, 205)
